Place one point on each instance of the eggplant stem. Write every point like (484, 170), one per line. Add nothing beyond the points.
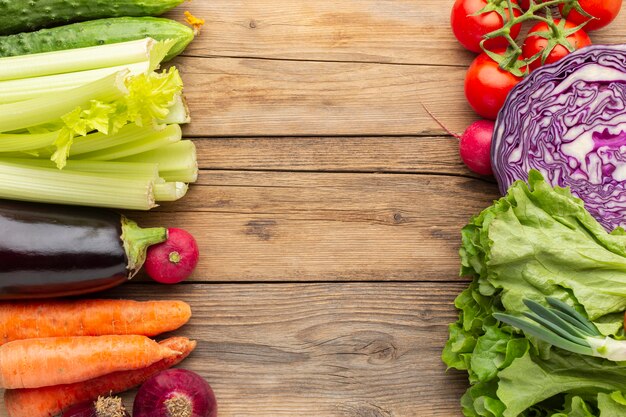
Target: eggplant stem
(136, 241)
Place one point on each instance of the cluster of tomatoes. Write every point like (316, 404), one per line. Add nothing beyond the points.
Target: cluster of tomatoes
(486, 84)
(493, 74)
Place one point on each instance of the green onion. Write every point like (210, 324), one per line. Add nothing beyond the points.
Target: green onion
(565, 328)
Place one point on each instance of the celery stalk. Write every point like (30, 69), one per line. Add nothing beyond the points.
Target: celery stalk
(182, 175)
(134, 170)
(177, 156)
(47, 108)
(50, 185)
(27, 88)
(26, 142)
(179, 112)
(72, 60)
(170, 191)
(170, 134)
(127, 135)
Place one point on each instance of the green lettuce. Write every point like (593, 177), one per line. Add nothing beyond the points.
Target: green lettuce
(537, 242)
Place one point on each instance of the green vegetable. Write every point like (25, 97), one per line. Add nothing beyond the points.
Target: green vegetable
(538, 242)
(97, 32)
(26, 15)
(69, 150)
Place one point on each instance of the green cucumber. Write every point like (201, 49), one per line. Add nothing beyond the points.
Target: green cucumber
(27, 15)
(97, 32)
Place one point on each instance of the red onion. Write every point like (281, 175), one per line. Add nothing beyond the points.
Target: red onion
(175, 393)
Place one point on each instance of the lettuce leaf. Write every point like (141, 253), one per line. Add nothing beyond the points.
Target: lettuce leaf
(535, 242)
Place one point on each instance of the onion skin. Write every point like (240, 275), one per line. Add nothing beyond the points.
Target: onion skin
(171, 391)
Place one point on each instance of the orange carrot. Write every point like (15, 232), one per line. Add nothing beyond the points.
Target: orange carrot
(35, 319)
(51, 401)
(33, 363)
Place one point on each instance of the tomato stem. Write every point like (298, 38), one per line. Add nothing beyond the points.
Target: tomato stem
(510, 60)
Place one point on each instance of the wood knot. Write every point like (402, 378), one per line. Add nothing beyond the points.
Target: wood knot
(252, 24)
(398, 218)
(263, 229)
(365, 410)
(380, 351)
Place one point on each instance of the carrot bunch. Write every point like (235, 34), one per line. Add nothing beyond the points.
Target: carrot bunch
(56, 354)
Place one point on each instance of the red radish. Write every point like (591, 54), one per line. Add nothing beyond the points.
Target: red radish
(175, 393)
(102, 407)
(175, 259)
(474, 144)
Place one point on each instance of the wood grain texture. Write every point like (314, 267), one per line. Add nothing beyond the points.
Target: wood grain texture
(285, 226)
(252, 97)
(385, 31)
(332, 350)
(432, 155)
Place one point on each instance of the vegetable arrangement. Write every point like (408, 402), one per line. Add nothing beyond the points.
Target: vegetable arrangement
(119, 107)
(87, 119)
(491, 27)
(539, 242)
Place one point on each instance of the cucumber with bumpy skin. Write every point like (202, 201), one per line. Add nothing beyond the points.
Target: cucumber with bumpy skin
(27, 15)
(97, 32)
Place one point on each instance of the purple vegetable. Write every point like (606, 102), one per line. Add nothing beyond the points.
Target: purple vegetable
(175, 393)
(568, 120)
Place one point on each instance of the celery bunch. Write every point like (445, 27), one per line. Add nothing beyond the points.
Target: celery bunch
(94, 126)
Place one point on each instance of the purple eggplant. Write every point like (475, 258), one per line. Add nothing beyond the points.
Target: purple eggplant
(55, 251)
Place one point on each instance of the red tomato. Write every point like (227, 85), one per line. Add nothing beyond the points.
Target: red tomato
(534, 43)
(486, 86)
(469, 30)
(604, 11)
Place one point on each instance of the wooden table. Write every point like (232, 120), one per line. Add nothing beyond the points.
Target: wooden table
(329, 205)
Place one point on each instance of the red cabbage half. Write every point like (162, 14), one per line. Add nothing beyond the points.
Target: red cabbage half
(568, 120)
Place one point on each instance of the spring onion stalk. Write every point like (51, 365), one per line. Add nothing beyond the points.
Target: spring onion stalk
(13, 91)
(80, 59)
(170, 191)
(33, 112)
(51, 185)
(171, 134)
(564, 327)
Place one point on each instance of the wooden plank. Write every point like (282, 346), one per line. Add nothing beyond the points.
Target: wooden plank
(436, 155)
(344, 350)
(251, 97)
(389, 31)
(273, 226)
